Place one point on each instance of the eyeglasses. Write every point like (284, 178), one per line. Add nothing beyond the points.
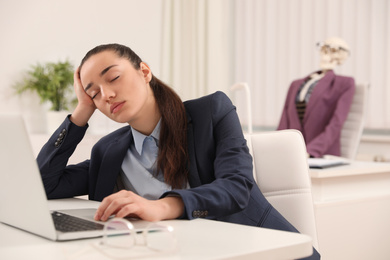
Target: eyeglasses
(327, 48)
(121, 241)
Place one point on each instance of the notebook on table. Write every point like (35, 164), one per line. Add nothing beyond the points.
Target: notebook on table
(323, 163)
(23, 200)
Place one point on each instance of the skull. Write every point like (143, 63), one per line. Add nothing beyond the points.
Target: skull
(334, 51)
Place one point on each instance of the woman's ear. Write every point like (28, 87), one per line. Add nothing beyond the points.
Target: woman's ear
(147, 72)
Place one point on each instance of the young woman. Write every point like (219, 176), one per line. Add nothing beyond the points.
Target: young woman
(174, 160)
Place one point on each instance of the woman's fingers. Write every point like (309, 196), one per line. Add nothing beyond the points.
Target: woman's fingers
(82, 96)
(115, 206)
(126, 203)
(76, 80)
(113, 203)
(85, 107)
(129, 210)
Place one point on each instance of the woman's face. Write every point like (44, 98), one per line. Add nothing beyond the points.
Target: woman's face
(118, 90)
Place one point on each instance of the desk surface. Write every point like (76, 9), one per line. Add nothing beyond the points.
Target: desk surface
(356, 180)
(198, 239)
(355, 168)
(349, 198)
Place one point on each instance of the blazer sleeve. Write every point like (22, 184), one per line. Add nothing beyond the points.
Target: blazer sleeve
(224, 163)
(284, 122)
(59, 180)
(320, 144)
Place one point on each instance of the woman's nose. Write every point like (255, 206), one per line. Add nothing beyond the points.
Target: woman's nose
(107, 93)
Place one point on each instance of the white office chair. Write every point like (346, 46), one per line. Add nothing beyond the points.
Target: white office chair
(352, 130)
(244, 86)
(282, 174)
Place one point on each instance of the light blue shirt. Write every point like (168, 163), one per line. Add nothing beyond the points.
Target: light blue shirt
(140, 164)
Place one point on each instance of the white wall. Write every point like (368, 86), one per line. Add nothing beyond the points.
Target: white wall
(197, 46)
(267, 43)
(49, 30)
(275, 44)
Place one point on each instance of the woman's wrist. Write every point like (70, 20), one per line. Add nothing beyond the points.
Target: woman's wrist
(173, 207)
(81, 115)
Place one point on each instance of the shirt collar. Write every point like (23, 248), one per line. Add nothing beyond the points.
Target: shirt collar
(139, 138)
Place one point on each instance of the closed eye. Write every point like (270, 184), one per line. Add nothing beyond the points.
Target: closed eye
(114, 78)
(95, 95)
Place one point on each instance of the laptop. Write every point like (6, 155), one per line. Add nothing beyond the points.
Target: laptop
(23, 200)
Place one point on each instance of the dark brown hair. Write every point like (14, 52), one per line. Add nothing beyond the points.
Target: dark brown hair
(172, 157)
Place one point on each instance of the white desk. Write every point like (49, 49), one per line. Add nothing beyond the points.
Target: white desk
(198, 239)
(352, 207)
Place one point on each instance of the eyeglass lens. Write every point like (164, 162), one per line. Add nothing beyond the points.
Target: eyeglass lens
(120, 239)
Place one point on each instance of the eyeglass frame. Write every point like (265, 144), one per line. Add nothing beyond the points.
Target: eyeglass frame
(320, 45)
(133, 232)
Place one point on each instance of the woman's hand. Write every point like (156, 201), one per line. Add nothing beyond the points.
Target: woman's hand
(85, 107)
(128, 204)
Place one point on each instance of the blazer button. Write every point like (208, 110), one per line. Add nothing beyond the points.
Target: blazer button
(200, 213)
(195, 214)
(62, 133)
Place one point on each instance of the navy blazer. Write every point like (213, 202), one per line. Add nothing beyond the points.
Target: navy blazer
(220, 167)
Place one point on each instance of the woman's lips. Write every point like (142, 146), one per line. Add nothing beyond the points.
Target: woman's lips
(116, 107)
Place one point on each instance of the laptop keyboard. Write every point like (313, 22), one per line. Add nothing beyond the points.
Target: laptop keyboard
(68, 223)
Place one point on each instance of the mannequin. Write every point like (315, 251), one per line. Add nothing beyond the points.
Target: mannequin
(318, 104)
(334, 51)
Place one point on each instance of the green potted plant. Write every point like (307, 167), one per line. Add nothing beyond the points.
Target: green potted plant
(53, 82)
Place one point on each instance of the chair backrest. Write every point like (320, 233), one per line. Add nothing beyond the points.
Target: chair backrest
(352, 130)
(282, 174)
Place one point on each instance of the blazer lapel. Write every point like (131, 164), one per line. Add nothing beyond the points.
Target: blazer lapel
(115, 153)
(193, 176)
(318, 92)
(111, 165)
(295, 122)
